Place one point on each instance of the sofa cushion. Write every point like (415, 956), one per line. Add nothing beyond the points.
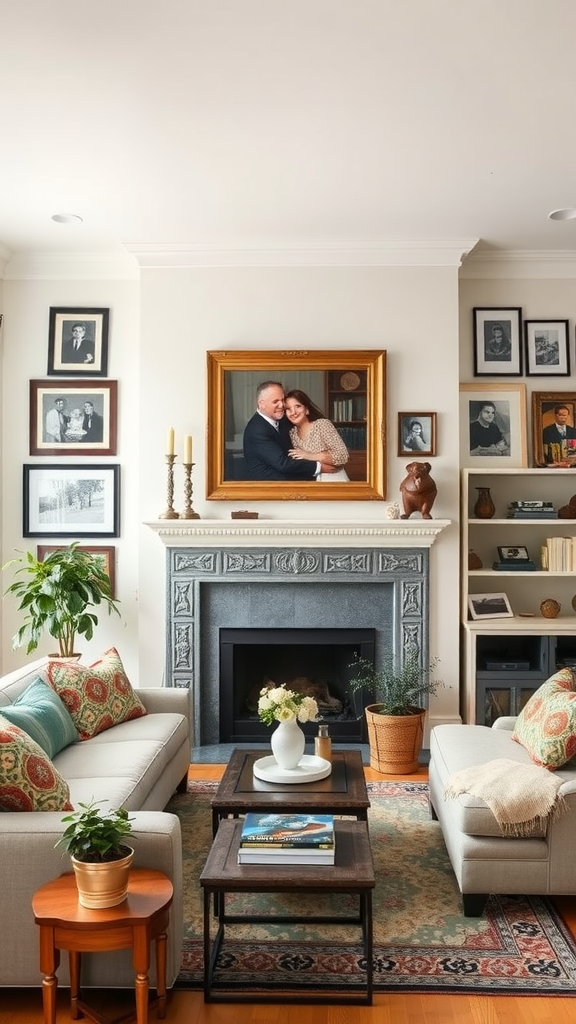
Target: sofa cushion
(40, 713)
(97, 696)
(546, 726)
(28, 779)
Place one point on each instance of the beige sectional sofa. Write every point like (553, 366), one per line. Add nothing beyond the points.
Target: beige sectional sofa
(138, 764)
(484, 861)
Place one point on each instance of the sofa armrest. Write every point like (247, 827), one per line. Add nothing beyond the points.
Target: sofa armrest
(505, 722)
(162, 699)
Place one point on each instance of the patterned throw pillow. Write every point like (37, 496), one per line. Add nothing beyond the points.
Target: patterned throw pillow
(97, 696)
(28, 779)
(40, 713)
(546, 726)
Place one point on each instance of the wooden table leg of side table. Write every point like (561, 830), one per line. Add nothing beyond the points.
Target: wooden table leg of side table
(161, 946)
(141, 963)
(49, 963)
(74, 968)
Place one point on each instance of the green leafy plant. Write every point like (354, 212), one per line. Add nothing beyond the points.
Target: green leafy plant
(55, 595)
(96, 836)
(398, 690)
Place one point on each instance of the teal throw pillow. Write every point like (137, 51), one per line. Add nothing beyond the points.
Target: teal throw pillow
(40, 713)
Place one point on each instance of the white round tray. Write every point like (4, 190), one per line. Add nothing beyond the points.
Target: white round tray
(310, 769)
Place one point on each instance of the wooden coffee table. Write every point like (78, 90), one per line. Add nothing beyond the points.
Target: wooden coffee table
(342, 792)
(351, 874)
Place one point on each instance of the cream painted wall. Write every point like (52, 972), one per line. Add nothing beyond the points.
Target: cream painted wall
(25, 354)
(410, 312)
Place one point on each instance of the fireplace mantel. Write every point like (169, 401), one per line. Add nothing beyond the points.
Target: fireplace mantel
(389, 533)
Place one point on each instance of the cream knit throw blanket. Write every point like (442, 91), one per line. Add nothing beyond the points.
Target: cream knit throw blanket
(522, 797)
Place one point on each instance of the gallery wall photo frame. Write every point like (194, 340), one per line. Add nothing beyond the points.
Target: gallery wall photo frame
(489, 606)
(76, 501)
(550, 409)
(505, 443)
(547, 349)
(73, 417)
(416, 433)
(78, 341)
(497, 341)
(107, 554)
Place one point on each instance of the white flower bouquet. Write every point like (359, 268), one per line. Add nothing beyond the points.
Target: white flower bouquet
(278, 704)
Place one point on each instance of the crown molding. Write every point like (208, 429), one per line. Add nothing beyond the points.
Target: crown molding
(98, 266)
(520, 263)
(447, 252)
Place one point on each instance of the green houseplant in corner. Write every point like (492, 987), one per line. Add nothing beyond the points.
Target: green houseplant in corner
(396, 718)
(101, 858)
(56, 593)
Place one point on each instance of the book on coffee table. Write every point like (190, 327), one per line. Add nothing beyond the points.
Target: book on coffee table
(304, 838)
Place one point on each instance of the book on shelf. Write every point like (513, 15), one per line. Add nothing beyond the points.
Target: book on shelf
(519, 565)
(532, 504)
(277, 833)
(531, 513)
(278, 857)
(558, 554)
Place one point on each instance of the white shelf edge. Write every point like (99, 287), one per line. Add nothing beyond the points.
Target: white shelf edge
(503, 575)
(521, 522)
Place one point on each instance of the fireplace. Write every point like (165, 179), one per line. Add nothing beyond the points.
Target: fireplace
(317, 661)
(274, 574)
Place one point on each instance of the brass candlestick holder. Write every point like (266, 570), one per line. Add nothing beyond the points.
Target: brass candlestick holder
(188, 512)
(170, 513)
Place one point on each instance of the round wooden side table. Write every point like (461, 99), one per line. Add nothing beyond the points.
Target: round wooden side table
(65, 925)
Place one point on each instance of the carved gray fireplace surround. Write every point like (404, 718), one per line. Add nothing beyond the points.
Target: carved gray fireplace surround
(288, 574)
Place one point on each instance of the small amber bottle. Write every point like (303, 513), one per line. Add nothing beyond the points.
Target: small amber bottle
(323, 743)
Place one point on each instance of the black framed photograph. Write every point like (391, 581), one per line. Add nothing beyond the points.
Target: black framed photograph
(554, 428)
(497, 341)
(78, 341)
(416, 433)
(513, 554)
(547, 348)
(105, 554)
(73, 417)
(489, 606)
(75, 501)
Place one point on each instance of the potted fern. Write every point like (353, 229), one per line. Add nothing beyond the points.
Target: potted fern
(56, 594)
(101, 858)
(396, 718)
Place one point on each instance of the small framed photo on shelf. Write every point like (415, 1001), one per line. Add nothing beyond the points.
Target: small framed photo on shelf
(73, 417)
(107, 554)
(513, 554)
(416, 433)
(554, 428)
(493, 426)
(497, 342)
(78, 342)
(547, 348)
(76, 501)
(489, 606)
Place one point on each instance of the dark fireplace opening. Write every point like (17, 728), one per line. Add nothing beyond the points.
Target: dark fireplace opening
(318, 660)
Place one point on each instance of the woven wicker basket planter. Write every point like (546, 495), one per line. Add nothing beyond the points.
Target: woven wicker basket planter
(395, 740)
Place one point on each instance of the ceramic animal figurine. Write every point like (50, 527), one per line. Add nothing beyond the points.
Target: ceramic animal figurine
(418, 490)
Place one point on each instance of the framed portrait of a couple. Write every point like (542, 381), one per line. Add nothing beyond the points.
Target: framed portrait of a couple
(78, 342)
(73, 417)
(291, 425)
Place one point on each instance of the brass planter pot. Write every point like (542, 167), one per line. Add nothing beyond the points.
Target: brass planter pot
(102, 885)
(395, 740)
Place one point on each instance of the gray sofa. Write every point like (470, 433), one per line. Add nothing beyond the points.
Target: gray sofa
(138, 764)
(483, 860)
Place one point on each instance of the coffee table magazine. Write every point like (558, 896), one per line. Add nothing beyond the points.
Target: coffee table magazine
(287, 839)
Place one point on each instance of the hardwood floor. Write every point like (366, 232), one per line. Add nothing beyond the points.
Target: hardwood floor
(24, 1006)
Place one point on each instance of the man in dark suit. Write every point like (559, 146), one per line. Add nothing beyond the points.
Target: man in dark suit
(92, 423)
(267, 440)
(77, 349)
(560, 430)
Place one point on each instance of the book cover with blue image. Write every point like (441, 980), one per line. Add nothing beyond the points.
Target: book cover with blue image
(288, 831)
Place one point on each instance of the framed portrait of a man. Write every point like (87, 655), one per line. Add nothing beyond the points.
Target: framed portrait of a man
(78, 342)
(493, 426)
(497, 341)
(554, 428)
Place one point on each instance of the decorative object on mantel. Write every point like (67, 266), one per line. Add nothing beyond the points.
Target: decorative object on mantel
(484, 507)
(170, 459)
(244, 514)
(392, 510)
(188, 512)
(550, 608)
(418, 490)
(288, 708)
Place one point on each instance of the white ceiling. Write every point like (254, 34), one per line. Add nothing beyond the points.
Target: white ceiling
(238, 124)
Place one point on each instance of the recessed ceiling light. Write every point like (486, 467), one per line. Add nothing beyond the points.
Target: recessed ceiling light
(568, 213)
(67, 218)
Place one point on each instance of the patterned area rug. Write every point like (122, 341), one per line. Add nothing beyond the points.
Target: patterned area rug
(422, 941)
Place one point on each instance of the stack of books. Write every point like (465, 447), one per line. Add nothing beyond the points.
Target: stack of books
(515, 565)
(531, 510)
(287, 839)
(558, 554)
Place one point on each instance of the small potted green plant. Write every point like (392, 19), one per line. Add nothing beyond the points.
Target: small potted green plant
(101, 858)
(395, 719)
(56, 593)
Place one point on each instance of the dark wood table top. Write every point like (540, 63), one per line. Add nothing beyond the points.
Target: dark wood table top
(342, 792)
(352, 871)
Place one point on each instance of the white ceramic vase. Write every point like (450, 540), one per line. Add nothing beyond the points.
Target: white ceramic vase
(288, 742)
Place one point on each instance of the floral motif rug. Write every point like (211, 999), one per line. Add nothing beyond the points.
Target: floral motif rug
(422, 941)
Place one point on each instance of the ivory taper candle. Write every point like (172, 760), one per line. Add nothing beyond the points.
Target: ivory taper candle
(170, 449)
(188, 450)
